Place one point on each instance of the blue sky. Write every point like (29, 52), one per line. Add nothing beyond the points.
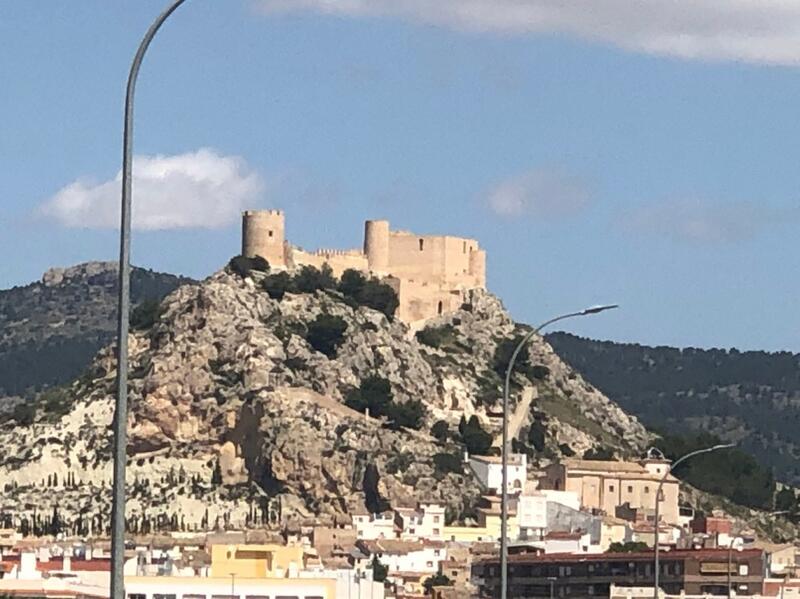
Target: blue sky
(645, 159)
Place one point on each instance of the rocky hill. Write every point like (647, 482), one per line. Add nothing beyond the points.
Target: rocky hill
(63, 320)
(239, 412)
(751, 398)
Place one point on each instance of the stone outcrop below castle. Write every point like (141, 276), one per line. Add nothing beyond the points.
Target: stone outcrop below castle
(232, 408)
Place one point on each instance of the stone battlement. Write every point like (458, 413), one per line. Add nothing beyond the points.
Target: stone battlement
(332, 252)
(430, 273)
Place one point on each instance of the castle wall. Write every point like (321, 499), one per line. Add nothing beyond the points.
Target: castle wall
(338, 260)
(263, 234)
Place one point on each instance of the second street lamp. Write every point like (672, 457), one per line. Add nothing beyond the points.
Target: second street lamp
(504, 492)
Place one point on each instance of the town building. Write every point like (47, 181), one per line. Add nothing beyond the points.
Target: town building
(430, 273)
(489, 472)
(586, 576)
(605, 485)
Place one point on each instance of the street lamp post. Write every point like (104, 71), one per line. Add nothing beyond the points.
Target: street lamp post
(656, 529)
(504, 495)
(123, 313)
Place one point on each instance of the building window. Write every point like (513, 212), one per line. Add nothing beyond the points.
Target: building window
(436, 519)
(421, 244)
(136, 596)
(270, 233)
(429, 564)
(611, 488)
(647, 489)
(630, 489)
(440, 308)
(164, 596)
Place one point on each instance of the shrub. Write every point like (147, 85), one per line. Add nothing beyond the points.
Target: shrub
(445, 463)
(437, 337)
(368, 292)
(325, 333)
(441, 430)
(379, 296)
(372, 495)
(628, 547)
(475, 438)
(566, 450)
(55, 400)
(537, 434)
(598, 453)
(311, 279)
(24, 413)
(351, 283)
(409, 414)
(374, 394)
(278, 285)
(379, 571)
(399, 462)
(502, 356)
(145, 315)
(243, 266)
(437, 580)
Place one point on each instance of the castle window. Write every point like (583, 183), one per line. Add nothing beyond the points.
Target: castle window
(440, 307)
(464, 250)
(421, 244)
(270, 233)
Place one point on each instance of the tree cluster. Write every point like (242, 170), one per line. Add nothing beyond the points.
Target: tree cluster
(375, 394)
(730, 473)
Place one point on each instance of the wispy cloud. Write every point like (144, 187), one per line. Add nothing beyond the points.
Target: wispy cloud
(700, 221)
(756, 31)
(201, 189)
(543, 193)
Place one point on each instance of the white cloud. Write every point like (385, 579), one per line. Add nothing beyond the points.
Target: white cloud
(541, 193)
(701, 221)
(757, 31)
(201, 189)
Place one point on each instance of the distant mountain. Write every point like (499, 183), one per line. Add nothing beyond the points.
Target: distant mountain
(752, 398)
(51, 329)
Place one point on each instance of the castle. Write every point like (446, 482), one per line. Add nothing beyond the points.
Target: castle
(430, 273)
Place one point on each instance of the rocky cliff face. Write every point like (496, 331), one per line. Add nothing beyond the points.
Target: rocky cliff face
(235, 418)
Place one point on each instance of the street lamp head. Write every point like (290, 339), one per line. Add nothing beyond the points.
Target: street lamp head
(600, 308)
(723, 446)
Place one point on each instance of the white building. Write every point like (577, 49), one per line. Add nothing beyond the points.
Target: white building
(426, 521)
(532, 515)
(489, 471)
(406, 556)
(375, 526)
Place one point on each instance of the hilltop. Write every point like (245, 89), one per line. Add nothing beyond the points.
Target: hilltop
(751, 398)
(50, 329)
(247, 401)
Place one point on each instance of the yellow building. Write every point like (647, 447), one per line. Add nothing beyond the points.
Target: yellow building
(255, 561)
(605, 485)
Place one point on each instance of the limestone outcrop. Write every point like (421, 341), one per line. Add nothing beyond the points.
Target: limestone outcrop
(236, 420)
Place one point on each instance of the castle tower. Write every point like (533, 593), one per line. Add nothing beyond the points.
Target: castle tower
(376, 244)
(477, 266)
(263, 234)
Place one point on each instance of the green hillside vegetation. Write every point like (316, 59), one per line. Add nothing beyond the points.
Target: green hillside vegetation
(49, 333)
(750, 397)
